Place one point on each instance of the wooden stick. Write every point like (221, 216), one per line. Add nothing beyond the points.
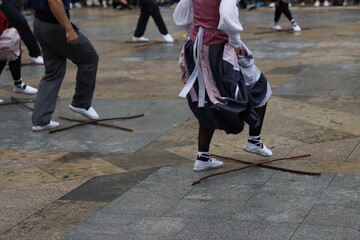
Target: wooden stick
(97, 123)
(21, 103)
(93, 121)
(249, 166)
(272, 167)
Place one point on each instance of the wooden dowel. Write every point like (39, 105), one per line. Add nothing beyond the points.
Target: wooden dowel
(21, 103)
(98, 123)
(12, 103)
(249, 166)
(272, 167)
(93, 121)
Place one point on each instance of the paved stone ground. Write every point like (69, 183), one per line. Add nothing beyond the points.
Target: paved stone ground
(96, 182)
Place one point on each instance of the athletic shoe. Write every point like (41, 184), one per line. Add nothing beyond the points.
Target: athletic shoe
(23, 88)
(37, 60)
(140, 39)
(258, 148)
(296, 27)
(89, 113)
(51, 125)
(276, 27)
(1, 101)
(168, 38)
(272, 5)
(326, 3)
(77, 5)
(212, 163)
(250, 7)
(316, 4)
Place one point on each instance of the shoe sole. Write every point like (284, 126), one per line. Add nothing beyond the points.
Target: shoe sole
(41, 130)
(209, 168)
(17, 91)
(256, 153)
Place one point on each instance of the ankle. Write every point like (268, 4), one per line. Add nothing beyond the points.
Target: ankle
(203, 156)
(18, 83)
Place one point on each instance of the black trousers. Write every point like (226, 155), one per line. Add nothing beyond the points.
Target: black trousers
(149, 8)
(12, 10)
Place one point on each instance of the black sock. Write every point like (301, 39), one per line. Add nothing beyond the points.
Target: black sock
(204, 157)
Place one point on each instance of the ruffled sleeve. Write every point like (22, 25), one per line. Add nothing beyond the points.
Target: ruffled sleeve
(183, 15)
(229, 21)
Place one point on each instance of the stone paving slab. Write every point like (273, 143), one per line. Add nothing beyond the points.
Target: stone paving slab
(251, 204)
(323, 80)
(159, 117)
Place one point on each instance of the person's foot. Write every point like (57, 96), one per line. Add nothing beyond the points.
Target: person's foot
(296, 27)
(1, 101)
(168, 38)
(258, 148)
(140, 39)
(272, 5)
(51, 125)
(326, 3)
(251, 6)
(37, 60)
(89, 113)
(204, 162)
(26, 89)
(276, 26)
(302, 4)
(317, 4)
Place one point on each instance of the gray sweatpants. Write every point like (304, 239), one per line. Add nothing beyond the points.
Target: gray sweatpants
(56, 51)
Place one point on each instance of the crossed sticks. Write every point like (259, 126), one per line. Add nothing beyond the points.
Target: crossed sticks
(262, 164)
(97, 121)
(18, 102)
(81, 121)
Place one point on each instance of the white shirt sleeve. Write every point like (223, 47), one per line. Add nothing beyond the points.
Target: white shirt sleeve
(183, 15)
(229, 21)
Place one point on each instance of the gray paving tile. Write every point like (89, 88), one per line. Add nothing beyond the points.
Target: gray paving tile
(160, 116)
(283, 183)
(264, 50)
(107, 188)
(128, 227)
(323, 80)
(324, 232)
(163, 51)
(276, 208)
(230, 229)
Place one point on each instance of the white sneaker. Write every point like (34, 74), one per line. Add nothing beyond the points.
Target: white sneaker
(212, 163)
(77, 5)
(316, 4)
(260, 149)
(326, 3)
(140, 39)
(1, 101)
(37, 60)
(51, 125)
(272, 5)
(104, 5)
(26, 89)
(168, 38)
(90, 113)
(276, 27)
(296, 27)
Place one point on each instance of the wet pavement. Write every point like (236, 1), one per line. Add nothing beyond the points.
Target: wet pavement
(100, 182)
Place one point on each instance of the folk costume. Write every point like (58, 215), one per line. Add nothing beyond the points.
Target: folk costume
(223, 89)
